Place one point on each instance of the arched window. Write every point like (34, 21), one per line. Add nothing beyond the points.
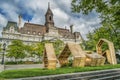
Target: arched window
(28, 32)
(38, 33)
(34, 32)
(50, 18)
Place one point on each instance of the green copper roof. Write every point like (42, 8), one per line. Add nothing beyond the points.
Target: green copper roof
(10, 24)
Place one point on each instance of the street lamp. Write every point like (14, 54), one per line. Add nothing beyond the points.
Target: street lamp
(4, 47)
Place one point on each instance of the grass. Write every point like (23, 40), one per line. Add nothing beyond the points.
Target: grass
(42, 72)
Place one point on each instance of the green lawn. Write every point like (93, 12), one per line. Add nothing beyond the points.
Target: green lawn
(41, 72)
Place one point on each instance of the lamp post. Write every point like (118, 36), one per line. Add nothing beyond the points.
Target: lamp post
(4, 47)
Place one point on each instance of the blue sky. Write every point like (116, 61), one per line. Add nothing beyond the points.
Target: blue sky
(34, 11)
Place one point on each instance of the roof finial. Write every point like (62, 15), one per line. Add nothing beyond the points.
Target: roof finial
(48, 4)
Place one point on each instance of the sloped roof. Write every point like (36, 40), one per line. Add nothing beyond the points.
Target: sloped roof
(49, 11)
(11, 23)
(50, 52)
(33, 28)
(65, 33)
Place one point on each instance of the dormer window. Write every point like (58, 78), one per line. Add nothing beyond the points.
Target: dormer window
(39, 33)
(34, 32)
(28, 32)
(11, 29)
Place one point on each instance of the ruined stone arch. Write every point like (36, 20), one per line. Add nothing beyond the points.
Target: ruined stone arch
(110, 53)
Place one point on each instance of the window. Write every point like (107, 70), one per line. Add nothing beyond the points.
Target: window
(11, 29)
(50, 18)
(34, 32)
(28, 32)
(39, 33)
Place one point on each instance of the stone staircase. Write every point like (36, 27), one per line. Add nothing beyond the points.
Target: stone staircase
(98, 76)
(111, 74)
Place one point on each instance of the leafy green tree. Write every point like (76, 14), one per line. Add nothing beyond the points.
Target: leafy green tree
(0, 50)
(0, 47)
(38, 49)
(58, 46)
(16, 50)
(109, 11)
(30, 50)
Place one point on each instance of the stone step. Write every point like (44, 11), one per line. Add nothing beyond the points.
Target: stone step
(90, 77)
(114, 77)
(80, 75)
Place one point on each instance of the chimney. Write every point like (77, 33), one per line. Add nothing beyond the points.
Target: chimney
(19, 21)
(65, 27)
(71, 28)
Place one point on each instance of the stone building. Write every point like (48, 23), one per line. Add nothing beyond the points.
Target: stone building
(30, 32)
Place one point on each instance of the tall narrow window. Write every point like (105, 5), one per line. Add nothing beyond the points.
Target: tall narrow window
(50, 18)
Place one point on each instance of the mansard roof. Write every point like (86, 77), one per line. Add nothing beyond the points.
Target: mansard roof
(11, 24)
(30, 28)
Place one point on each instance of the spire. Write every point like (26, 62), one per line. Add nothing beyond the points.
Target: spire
(49, 22)
(48, 4)
(49, 11)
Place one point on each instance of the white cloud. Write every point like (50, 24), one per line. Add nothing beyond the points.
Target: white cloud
(60, 17)
(37, 8)
(10, 11)
(60, 14)
(3, 22)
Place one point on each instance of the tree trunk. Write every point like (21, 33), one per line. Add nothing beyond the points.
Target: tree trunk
(15, 60)
(39, 59)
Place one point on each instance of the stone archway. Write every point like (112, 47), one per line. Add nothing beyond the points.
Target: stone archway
(110, 53)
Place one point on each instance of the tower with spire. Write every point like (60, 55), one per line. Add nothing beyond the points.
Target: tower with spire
(49, 22)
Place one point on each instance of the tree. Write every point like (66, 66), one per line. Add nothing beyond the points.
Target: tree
(109, 11)
(16, 50)
(30, 50)
(58, 45)
(0, 47)
(38, 49)
(93, 38)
